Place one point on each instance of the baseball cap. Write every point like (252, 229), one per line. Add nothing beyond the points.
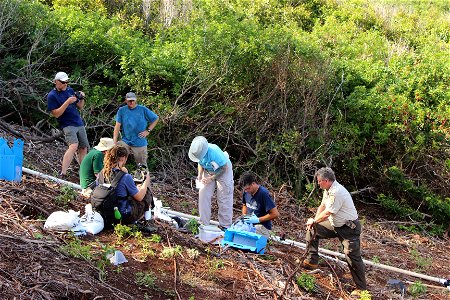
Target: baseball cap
(61, 76)
(130, 96)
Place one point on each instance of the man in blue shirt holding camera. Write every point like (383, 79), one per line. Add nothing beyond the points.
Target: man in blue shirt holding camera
(64, 104)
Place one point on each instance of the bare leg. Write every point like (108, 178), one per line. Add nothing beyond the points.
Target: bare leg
(81, 154)
(68, 157)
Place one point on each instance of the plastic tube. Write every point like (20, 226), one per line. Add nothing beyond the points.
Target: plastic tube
(367, 262)
(39, 174)
(322, 252)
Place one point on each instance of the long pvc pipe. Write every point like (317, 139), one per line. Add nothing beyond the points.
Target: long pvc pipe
(60, 181)
(445, 282)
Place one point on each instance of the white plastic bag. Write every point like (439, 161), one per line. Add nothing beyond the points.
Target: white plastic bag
(92, 221)
(117, 258)
(162, 214)
(62, 221)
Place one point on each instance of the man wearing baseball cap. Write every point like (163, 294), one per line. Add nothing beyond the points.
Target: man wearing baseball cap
(135, 123)
(92, 164)
(214, 170)
(64, 105)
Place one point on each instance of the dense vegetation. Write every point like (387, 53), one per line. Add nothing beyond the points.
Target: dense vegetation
(284, 86)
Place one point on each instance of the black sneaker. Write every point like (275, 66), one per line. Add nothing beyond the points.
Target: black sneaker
(147, 227)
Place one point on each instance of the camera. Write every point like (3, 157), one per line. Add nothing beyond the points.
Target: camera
(140, 173)
(79, 96)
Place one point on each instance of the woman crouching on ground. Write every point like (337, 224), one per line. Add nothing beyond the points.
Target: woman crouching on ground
(133, 200)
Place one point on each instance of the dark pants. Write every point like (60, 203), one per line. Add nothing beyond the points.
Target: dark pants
(350, 240)
(138, 208)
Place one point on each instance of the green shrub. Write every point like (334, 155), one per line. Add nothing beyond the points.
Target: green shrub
(75, 248)
(147, 279)
(306, 282)
(417, 289)
(169, 252)
(68, 194)
(193, 226)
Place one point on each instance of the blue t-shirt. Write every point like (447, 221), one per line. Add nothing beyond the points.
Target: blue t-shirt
(214, 159)
(133, 121)
(71, 116)
(260, 204)
(125, 188)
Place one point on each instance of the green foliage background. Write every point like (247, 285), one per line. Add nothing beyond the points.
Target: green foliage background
(284, 86)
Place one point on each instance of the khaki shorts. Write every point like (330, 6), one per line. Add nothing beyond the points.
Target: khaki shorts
(76, 135)
(140, 154)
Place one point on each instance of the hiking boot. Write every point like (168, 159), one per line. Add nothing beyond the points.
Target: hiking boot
(146, 227)
(308, 265)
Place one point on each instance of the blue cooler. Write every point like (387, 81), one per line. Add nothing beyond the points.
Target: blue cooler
(245, 240)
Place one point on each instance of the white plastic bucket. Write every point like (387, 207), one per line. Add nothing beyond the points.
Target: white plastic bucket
(210, 233)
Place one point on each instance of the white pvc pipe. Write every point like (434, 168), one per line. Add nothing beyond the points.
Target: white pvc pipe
(60, 181)
(323, 251)
(276, 238)
(367, 262)
(183, 215)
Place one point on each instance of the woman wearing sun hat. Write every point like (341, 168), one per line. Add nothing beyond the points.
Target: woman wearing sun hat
(92, 164)
(214, 170)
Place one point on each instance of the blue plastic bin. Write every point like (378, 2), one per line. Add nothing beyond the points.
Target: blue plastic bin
(245, 240)
(11, 160)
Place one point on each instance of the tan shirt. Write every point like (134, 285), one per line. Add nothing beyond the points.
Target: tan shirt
(338, 201)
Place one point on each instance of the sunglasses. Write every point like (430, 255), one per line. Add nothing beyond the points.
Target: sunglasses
(64, 82)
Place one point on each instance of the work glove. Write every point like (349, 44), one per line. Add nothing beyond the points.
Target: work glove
(253, 219)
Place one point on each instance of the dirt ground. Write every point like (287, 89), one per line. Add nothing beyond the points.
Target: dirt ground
(38, 264)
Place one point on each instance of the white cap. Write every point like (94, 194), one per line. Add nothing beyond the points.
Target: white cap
(61, 76)
(198, 149)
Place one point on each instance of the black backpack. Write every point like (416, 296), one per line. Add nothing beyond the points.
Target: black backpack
(104, 198)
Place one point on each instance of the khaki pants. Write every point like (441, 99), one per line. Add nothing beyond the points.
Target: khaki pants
(261, 230)
(140, 154)
(225, 188)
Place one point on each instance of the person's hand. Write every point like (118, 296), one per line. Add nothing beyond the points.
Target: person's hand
(310, 223)
(144, 134)
(207, 180)
(72, 99)
(251, 219)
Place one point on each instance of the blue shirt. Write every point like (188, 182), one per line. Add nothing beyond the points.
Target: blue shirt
(126, 188)
(214, 159)
(133, 121)
(71, 116)
(260, 204)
